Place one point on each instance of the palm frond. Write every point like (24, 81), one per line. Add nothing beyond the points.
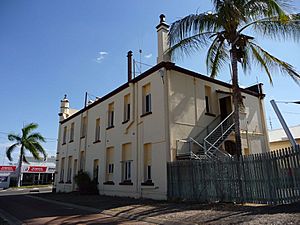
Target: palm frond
(24, 159)
(28, 128)
(261, 62)
(30, 146)
(192, 25)
(279, 29)
(14, 137)
(266, 8)
(216, 57)
(273, 63)
(190, 44)
(10, 149)
(40, 149)
(36, 137)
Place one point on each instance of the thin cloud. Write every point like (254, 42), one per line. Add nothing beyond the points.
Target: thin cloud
(101, 56)
(148, 56)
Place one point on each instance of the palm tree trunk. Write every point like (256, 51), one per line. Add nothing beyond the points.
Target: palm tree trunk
(20, 167)
(237, 100)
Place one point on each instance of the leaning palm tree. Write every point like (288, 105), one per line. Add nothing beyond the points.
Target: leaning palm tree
(27, 141)
(226, 32)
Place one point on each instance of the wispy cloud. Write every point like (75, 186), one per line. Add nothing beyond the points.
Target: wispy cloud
(101, 56)
(148, 56)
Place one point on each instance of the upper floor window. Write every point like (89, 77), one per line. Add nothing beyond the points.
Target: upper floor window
(208, 108)
(146, 99)
(126, 108)
(83, 126)
(110, 115)
(64, 135)
(72, 132)
(97, 130)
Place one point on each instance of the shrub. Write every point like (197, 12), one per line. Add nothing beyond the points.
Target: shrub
(85, 184)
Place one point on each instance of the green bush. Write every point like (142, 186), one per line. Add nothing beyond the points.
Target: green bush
(85, 184)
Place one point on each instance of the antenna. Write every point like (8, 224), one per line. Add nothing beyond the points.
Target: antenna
(140, 51)
(271, 126)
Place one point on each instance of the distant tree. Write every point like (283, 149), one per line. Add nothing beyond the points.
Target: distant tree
(26, 141)
(226, 31)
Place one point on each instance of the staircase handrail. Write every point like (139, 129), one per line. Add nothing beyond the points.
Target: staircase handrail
(206, 129)
(205, 139)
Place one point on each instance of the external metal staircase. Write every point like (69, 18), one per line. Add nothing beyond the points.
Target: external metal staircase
(206, 145)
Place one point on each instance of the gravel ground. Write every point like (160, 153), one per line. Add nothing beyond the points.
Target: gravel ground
(184, 213)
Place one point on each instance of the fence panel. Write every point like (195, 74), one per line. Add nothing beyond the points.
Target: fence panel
(270, 178)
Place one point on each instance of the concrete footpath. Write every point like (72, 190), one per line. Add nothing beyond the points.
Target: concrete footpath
(162, 212)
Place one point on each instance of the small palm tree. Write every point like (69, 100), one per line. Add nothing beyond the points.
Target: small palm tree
(226, 32)
(27, 141)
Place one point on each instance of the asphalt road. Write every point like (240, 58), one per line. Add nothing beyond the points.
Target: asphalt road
(19, 207)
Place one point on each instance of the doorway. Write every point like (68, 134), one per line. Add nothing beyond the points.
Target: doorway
(230, 147)
(225, 107)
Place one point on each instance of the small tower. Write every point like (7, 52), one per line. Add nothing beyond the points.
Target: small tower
(64, 108)
(162, 40)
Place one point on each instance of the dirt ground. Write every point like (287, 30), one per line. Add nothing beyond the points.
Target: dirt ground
(162, 212)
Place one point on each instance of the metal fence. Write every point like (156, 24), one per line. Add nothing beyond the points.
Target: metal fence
(270, 178)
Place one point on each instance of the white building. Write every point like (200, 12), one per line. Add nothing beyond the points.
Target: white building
(125, 139)
(279, 140)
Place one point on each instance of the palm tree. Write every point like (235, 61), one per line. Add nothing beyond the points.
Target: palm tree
(226, 32)
(27, 141)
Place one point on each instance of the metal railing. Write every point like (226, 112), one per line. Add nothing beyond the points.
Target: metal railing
(217, 136)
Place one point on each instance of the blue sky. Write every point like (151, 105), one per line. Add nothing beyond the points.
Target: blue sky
(51, 48)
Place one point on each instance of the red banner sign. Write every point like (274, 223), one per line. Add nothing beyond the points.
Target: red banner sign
(37, 169)
(8, 168)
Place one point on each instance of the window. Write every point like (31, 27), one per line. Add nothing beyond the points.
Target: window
(110, 115)
(83, 126)
(126, 163)
(96, 170)
(146, 99)
(62, 170)
(82, 159)
(109, 164)
(69, 175)
(64, 135)
(208, 99)
(148, 163)
(97, 130)
(72, 132)
(127, 108)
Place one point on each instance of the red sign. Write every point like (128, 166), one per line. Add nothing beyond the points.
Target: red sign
(8, 168)
(37, 169)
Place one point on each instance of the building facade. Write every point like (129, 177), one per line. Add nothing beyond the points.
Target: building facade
(125, 138)
(279, 140)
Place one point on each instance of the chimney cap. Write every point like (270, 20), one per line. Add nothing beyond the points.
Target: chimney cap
(162, 18)
(162, 21)
(129, 53)
(65, 99)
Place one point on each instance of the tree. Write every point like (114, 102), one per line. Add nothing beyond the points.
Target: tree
(26, 141)
(226, 32)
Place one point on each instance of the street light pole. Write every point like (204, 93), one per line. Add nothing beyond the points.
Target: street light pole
(283, 123)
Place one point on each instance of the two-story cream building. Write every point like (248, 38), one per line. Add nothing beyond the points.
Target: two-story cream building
(125, 138)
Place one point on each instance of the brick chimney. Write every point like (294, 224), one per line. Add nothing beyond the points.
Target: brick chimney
(162, 40)
(129, 60)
